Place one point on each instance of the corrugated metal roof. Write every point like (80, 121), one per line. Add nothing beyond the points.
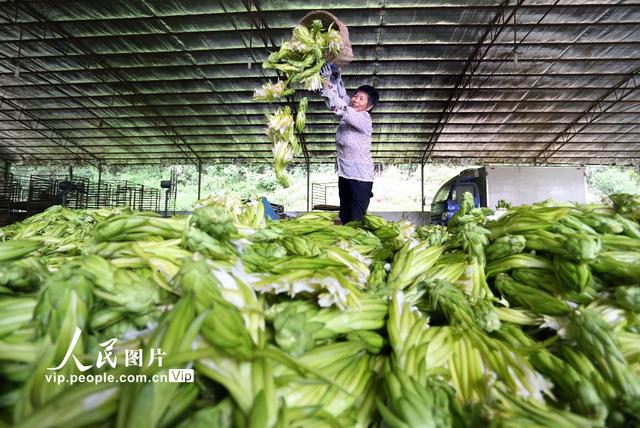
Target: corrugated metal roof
(147, 81)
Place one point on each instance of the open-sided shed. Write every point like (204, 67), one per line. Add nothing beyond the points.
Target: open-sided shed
(168, 81)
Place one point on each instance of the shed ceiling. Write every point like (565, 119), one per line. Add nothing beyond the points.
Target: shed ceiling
(168, 81)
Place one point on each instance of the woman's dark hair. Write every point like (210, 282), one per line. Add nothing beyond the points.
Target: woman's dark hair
(372, 94)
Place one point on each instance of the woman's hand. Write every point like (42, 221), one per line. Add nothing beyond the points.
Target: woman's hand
(325, 71)
(336, 74)
(332, 73)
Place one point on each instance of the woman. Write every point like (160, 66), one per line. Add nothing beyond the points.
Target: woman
(353, 142)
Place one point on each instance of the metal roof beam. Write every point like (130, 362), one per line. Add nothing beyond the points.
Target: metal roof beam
(524, 153)
(421, 46)
(205, 104)
(601, 16)
(342, 9)
(490, 90)
(129, 36)
(316, 113)
(429, 76)
(256, 19)
(193, 63)
(328, 132)
(113, 108)
(99, 61)
(331, 154)
(189, 110)
(390, 124)
(404, 146)
(33, 123)
(213, 67)
(599, 108)
(477, 56)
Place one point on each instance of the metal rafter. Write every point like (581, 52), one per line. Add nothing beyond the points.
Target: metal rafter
(142, 19)
(477, 55)
(183, 49)
(488, 90)
(89, 38)
(355, 7)
(260, 23)
(214, 67)
(99, 61)
(603, 15)
(249, 48)
(108, 109)
(330, 131)
(632, 153)
(508, 145)
(28, 113)
(516, 45)
(390, 124)
(328, 156)
(426, 114)
(33, 122)
(620, 91)
(208, 80)
(155, 80)
(389, 58)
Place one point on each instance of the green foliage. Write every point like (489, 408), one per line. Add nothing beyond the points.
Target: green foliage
(396, 187)
(605, 180)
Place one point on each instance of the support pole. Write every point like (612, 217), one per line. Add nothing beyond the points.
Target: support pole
(199, 178)
(8, 185)
(308, 186)
(99, 185)
(65, 192)
(166, 202)
(422, 185)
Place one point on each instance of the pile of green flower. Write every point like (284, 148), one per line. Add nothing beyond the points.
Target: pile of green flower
(527, 320)
(300, 60)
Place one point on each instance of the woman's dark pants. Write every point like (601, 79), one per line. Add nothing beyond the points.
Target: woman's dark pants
(354, 198)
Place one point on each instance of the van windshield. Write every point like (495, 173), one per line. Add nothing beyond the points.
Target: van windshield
(460, 190)
(442, 194)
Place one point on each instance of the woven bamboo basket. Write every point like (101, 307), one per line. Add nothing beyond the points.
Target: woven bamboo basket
(346, 54)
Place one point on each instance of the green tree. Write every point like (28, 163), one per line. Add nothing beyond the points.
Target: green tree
(604, 180)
